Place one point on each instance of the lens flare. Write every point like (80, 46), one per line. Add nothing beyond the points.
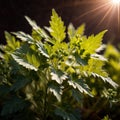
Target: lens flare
(116, 2)
(105, 12)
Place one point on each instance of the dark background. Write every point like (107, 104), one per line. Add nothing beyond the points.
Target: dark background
(12, 14)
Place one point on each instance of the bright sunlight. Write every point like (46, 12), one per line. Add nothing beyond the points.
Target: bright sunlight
(115, 1)
(110, 8)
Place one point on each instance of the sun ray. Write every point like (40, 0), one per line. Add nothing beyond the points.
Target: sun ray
(106, 14)
(118, 12)
(115, 1)
(93, 10)
(109, 9)
(103, 13)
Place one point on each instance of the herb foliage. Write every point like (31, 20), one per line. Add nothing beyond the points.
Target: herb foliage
(43, 77)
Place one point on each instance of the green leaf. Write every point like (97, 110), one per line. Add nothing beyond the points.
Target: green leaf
(32, 23)
(80, 60)
(58, 76)
(106, 79)
(42, 50)
(75, 34)
(24, 37)
(59, 49)
(39, 30)
(95, 66)
(2, 47)
(92, 43)
(12, 44)
(106, 118)
(71, 31)
(27, 57)
(101, 48)
(57, 27)
(23, 56)
(80, 30)
(99, 57)
(1, 55)
(23, 62)
(36, 36)
(33, 58)
(80, 85)
(56, 90)
(112, 51)
(77, 95)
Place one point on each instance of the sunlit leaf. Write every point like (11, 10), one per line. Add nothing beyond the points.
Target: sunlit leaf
(39, 30)
(57, 91)
(12, 44)
(71, 30)
(80, 30)
(42, 49)
(106, 79)
(57, 27)
(23, 62)
(58, 76)
(92, 43)
(82, 87)
(24, 37)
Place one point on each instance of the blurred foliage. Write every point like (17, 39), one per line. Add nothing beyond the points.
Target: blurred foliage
(106, 100)
(43, 77)
(113, 68)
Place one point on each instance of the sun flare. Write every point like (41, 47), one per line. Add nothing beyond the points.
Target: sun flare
(106, 11)
(116, 1)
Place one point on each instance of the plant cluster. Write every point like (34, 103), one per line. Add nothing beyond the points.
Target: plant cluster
(44, 77)
(113, 68)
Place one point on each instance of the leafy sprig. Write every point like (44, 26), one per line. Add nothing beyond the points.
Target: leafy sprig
(49, 72)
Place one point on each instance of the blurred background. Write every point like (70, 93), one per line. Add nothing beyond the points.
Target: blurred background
(96, 14)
